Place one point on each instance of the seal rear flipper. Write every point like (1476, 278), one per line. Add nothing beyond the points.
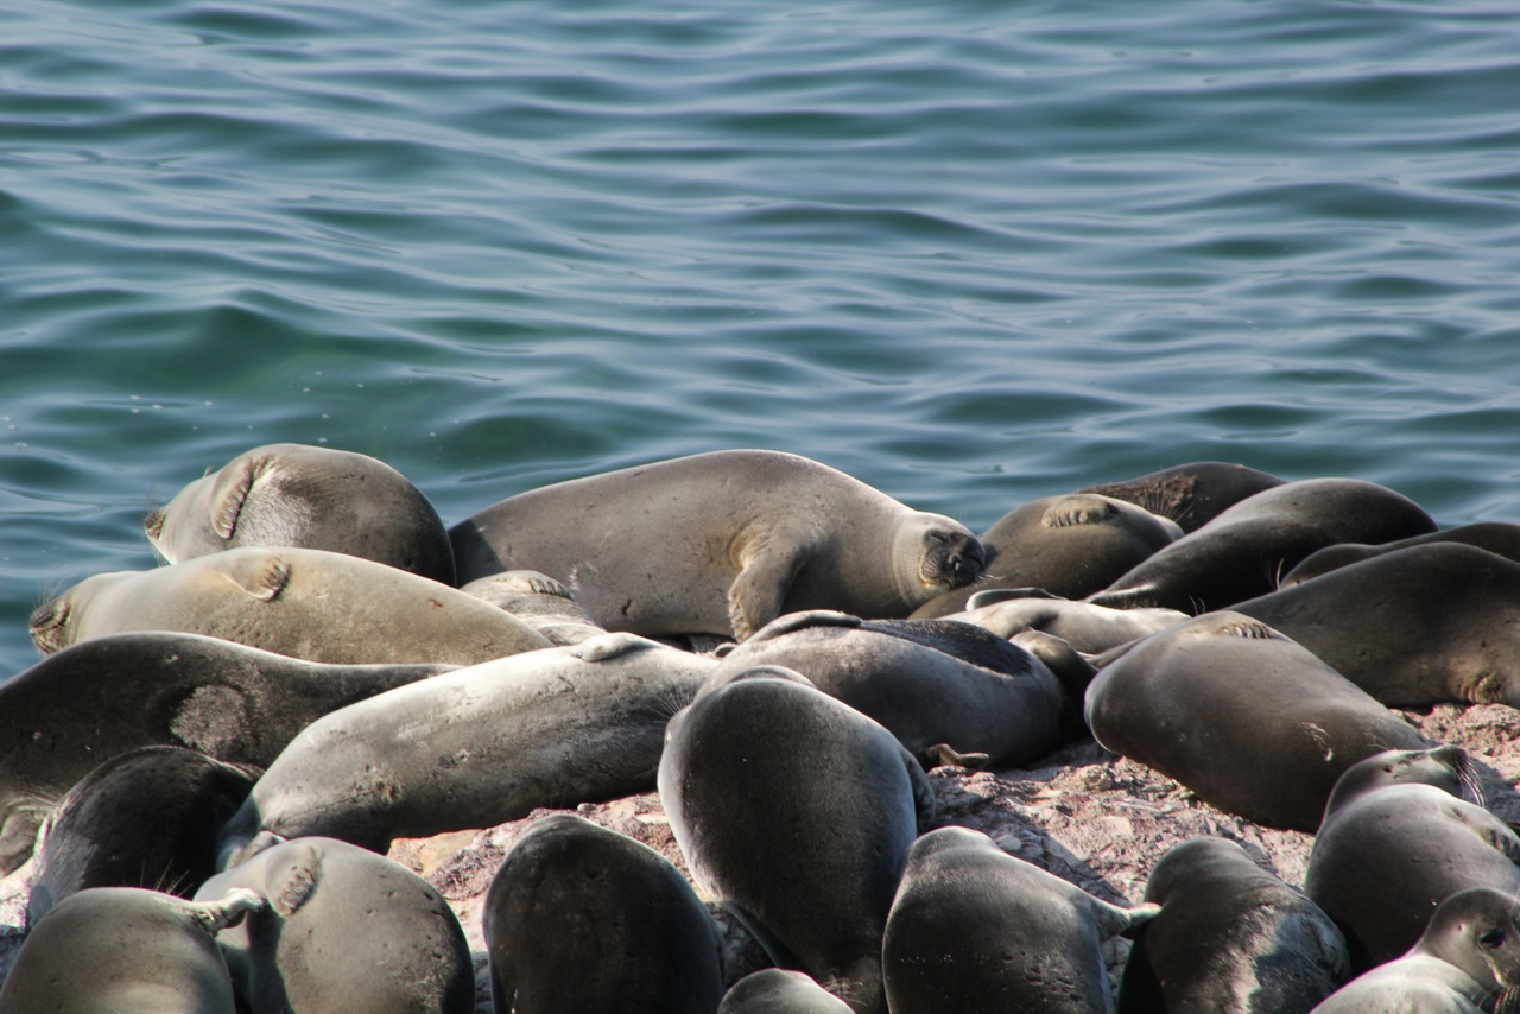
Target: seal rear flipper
(767, 568)
(215, 916)
(943, 754)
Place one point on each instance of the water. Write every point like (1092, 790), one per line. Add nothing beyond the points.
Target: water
(970, 252)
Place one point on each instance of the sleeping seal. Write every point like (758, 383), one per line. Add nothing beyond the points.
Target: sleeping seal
(721, 543)
(1499, 537)
(1192, 494)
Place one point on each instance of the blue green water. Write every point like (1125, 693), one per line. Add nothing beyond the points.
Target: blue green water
(970, 252)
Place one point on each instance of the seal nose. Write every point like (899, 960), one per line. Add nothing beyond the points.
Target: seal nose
(967, 565)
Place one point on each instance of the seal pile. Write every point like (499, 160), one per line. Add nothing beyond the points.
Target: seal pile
(216, 772)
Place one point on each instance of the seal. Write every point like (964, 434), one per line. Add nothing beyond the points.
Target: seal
(1396, 841)
(742, 536)
(313, 497)
(1242, 552)
(539, 601)
(1499, 537)
(1192, 494)
(1231, 938)
(305, 603)
(808, 862)
(1414, 627)
(86, 704)
(582, 918)
(148, 818)
(1069, 545)
(1247, 719)
(943, 709)
(973, 928)
(342, 929)
(478, 746)
(1466, 962)
(1089, 628)
(780, 991)
(128, 951)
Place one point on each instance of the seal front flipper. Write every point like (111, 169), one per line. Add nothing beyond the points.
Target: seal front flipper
(230, 492)
(945, 754)
(261, 575)
(215, 916)
(767, 568)
(290, 883)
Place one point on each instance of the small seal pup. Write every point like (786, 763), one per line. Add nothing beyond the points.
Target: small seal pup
(539, 601)
(1231, 939)
(342, 930)
(580, 918)
(1088, 628)
(301, 495)
(1413, 627)
(305, 603)
(739, 538)
(1192, 494)
(126, 950)
(478, 746)
(943, 709)
(973, 928)
(780, 991)
(796, 812)
(1070, 545)
(1499, 537)
(1247, 719)
(1243, 551)
(148, 818)
(1396, 840)
(65, 715)
(1466, 962)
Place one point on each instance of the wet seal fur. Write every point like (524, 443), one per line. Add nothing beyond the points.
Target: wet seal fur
(305, 603)
(973, 928)
(1250, 721)
(721, 543)
(313, 497)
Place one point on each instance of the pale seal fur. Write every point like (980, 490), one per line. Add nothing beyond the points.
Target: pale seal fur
(479, 746)
(780, 991)
(539, 601)
(973, 928)
(305, 603)
(721, 543)
(314, 497)
(1086, 627)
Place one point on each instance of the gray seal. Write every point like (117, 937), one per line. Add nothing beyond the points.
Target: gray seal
(780, 991)
(973, 928)
(478, 746)
(1466, 962)
(126, 950)
(1413, 627)
(65, 715)
(1088, 628)
(580, 918)
(1192, 494)
(342, 930)
(314, 497)
(1250, 721)
(721, 543)
(796, 812)
(539, 601)
(1499, 537)
(1396, 840)
(1231, 938)
(305, 603)
(1245, 550)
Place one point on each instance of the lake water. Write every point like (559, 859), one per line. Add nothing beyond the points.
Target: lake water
(969, 252)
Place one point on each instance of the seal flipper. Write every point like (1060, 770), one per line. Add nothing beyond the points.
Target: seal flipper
(291, 883)
(767, 568)
(215, 916)
(602, 647)
(261, 575)
(992, 596)
(945, 754)
(925, 805)
(230, 491)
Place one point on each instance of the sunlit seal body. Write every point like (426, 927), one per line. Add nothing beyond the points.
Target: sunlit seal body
(314, 497)
(343, 930)
(1466, 962)
(305, 603)
(1245, 550)
(148, 818)
(126, 950)
(796, 812)
(539, 601)
(71, 711)
(1231, 939)
(780, 991)
(925, 697)
(1070, 545)
(1414, 627)
(1086, 627)
(975, 929)
(580, 918)
(1244, 717)
(1192, 494)
(721, 543)
(1499, 537)
(479, 746)
(1395, 841)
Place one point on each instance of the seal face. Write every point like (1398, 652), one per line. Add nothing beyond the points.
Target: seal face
(313, 497)
(743, 536)
(1244, 717)
(342, 929)
(1230, 938)
(808, 862)
(973, 928)
(582, 918)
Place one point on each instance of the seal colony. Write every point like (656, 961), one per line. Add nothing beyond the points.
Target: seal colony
(815, 779)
